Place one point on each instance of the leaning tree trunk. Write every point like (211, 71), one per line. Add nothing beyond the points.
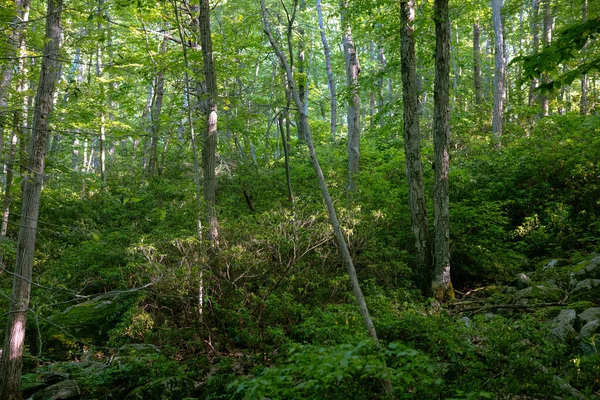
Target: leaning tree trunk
(352, 71)
(12, 357)
(209, 150)
(330, 79)
(441, 283)
(360, 299)
(498, 72)
(412, 145)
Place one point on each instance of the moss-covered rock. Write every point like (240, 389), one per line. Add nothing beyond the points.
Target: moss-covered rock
(163, 389)
(538, 294)
(587, 290)
(84, 323)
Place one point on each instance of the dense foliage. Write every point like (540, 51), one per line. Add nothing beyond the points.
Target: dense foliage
(270, 314)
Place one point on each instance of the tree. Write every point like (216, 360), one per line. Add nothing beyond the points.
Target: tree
(352, 72)
(547, 39)
(498, 71)
(477, 63)
(412, 146)
(209, 150)
(330, 79)
(583, 103)
(535, 42)
(12, 357)
(441, 282)
(341, 242)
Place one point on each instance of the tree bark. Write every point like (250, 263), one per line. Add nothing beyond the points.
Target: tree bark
(352, 72)
(12, 357)
(583, 103)
(412, 145)
(477, 63)
(441, 282)
(209, 150)
(15, 44)
(330, 79)
(547, 39)
(498, 72)
(155, 116)
(535, 43)
(17, 120)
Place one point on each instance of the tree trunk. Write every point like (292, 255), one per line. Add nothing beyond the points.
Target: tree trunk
(477, 63)
(17, 121)
(330, 79)
(498, 72)
(12, 357)
(547, 39)
(15, 44)
(155, 116)
(583, 103)
(412, 146)
(352, 71)
(209, 150)
(535, 43)
(441, 283)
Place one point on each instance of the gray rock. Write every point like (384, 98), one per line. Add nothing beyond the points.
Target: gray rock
(590, 329)
(522, 281)
(164, 389)
(59, 391)
(467, 321)
(562, 325)
(587, 289)
(550, 264)
(589, 315)
(591, 270)
(540, 293)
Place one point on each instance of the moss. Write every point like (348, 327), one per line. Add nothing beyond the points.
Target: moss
(85, 323)
(581, 306)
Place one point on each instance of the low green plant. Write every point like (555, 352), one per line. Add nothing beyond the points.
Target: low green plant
(344, 371)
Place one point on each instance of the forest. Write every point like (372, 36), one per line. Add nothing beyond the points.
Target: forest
(292, 199)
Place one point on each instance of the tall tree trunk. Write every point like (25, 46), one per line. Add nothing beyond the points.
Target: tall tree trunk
(155, 116)
(209, 150)
(360, 299)
(17, 120)
(352, 71)
(535, 43)
(477, 63)
(455, 69)
(286, 154)
(412, 146)
(99, 70)
(547, 39)
(330, 79)
(583, 103)
(441, 283)
(190, 121)
(498, 72)
(12, 357)
(15, 44)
